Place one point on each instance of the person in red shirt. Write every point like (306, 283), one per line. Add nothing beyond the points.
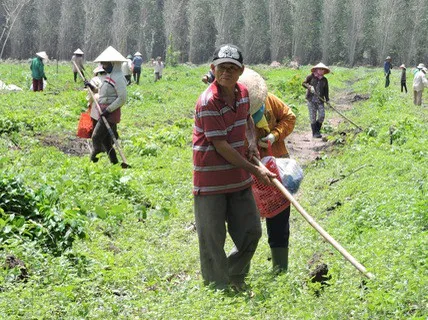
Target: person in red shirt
(223, 145)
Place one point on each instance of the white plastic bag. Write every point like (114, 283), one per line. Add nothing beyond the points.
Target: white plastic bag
(290, 173)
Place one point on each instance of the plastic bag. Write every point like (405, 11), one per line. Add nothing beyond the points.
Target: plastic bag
(290, 172)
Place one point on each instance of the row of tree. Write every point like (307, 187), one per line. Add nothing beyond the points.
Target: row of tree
(346, 32)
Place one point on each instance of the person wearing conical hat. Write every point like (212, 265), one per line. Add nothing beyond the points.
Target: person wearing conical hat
(418, 68)
(127, 69)
(97, 80)
(158, 67)
(38, 70)
(387, 67)
(112, 96)
(77, 58)
(275, 122)
(317, 93)
(419, 83)
(136, 66)
(403, 78)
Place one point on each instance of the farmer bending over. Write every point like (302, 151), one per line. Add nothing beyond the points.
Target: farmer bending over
(221, 176)
(112, 96)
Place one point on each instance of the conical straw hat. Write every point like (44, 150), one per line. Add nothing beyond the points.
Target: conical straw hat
(110, 55)
(321, 66)
(78, 51)
(257, 88)
(137, 53)
(42, 54)
(98, 69)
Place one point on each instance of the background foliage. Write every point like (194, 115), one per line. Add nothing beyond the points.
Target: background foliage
(345, 32)
(136, 253)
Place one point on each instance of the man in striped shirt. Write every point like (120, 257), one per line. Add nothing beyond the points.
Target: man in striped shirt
(223, 143)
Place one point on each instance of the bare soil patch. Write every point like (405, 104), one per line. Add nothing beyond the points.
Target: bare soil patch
(74, 146)
(306, 149)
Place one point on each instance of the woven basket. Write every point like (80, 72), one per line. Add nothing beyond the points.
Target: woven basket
(270, 201)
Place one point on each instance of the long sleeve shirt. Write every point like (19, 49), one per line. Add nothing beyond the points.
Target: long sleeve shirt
(419, 81)
(281, 121)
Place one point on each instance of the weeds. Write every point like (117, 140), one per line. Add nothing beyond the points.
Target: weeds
(110, 243)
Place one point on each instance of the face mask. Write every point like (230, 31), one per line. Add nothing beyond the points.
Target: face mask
(108, 67)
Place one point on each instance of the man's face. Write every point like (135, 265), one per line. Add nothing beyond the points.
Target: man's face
(227, 74)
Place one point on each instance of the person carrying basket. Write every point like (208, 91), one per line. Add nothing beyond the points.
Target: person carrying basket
(274, 121)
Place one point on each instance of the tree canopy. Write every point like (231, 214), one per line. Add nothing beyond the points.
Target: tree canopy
(345, 32)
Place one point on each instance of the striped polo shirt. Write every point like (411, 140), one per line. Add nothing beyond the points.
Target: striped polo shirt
(215, 120)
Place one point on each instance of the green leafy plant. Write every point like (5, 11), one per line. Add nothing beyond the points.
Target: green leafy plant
(35, 215)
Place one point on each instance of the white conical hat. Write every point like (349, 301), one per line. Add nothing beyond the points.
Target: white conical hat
(110, 55)
(42, 54)
(321, 66)
(78, 51)
(257, 88)
(98, 69)
(137, 53)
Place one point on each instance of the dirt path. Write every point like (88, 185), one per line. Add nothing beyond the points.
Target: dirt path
(303, 147)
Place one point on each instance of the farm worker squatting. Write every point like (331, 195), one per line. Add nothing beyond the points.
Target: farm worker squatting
(274, 122)
(221, 174)
(112, 96)
(38, 70)
(77, 58)
(317, 86)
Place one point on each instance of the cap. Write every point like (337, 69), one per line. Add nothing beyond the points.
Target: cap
(228, 53)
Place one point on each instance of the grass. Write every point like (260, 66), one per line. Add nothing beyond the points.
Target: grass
(139, 259)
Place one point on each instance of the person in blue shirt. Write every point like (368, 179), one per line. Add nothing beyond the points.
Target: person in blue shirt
(387, 66)
(136, 66)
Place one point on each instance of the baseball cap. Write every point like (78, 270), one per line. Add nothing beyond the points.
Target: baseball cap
(228, 53)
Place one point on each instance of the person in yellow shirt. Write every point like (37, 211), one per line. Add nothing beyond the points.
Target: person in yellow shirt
(274, 121)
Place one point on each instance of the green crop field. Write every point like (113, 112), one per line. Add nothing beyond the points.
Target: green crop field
(82, 240)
